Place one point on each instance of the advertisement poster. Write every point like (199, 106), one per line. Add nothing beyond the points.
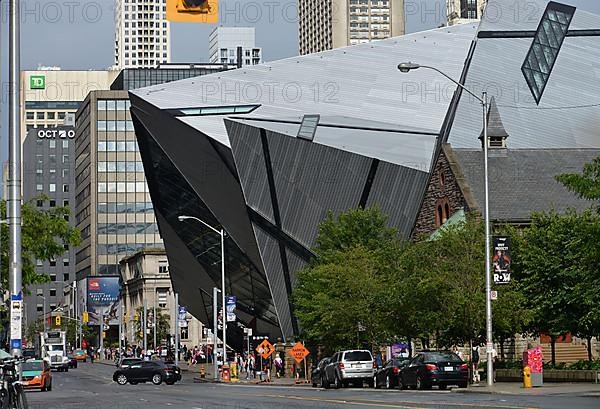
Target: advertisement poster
(230, 304)
(400, 350)
(501, 260)
(103, 300)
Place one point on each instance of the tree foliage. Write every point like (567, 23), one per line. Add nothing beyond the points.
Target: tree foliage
(587, 184)
(44, 235)
(162, 326)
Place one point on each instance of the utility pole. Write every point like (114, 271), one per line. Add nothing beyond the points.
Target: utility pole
(145, 327)
(14, 182)
(154, 321)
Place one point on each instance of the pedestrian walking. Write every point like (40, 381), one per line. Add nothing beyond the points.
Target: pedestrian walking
(278, 365)
(475, 363)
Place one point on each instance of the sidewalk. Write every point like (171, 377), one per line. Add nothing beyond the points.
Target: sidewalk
(549, 389)
(208, 377)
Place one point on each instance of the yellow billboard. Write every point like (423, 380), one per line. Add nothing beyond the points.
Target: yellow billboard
(193, 11)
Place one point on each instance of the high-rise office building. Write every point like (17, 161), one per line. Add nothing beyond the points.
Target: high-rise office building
(50, 94)
(142, 34)
(225, 43)
(48, 183)
(327, 24)
(464, 11)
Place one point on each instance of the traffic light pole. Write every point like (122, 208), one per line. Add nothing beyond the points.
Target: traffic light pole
(215, 333)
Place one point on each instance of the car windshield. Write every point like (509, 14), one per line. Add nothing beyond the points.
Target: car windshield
(442, 357)
(358, 356)
(32, 366)
(55, 347)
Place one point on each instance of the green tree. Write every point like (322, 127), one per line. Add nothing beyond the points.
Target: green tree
(44, 235)
(347, 286)
(560, 279)
(587, 184)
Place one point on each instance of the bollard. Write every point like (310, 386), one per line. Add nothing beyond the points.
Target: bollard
(527, 377)
(234, 372)
(202, 372)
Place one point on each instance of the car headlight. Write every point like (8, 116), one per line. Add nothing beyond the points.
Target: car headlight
(37, 377)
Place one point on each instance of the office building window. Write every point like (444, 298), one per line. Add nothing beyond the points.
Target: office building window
(66, 277)
(65, 188)
(40, 308)
(52, 263)
(52, 187)
(162, 298)
(39, 187)
(40, 116)
(53, 292)
(52, 144)
(52, 203)
(53, 277)
(65, 262)
(30, 115)
(65, 203)
(65, 144)
(39, 203)
(51, 115)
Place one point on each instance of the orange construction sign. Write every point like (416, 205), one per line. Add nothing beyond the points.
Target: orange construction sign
(193, 11)
(265, 349)
(298, 352)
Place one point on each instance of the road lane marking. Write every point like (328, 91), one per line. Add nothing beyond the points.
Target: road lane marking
(385, 404)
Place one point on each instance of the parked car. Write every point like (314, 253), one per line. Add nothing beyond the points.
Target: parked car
(388, 376)
(318, 372)
(80, 355)
(148, 371)
(428, 368)
(37, 375)
(347, 367)
(126, 362)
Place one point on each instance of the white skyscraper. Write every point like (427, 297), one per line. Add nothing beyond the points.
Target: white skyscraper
(223, 46)
(142, 35)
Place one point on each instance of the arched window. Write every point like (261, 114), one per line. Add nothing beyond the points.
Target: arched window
(446, 212)
(439, 216)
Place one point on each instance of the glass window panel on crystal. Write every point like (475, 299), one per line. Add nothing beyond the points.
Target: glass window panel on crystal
(545, 47)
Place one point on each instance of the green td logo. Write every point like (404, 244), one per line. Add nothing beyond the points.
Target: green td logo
(37, 82)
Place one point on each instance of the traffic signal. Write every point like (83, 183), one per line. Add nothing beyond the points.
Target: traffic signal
(57, 321)
(193, 11)
(86, 317)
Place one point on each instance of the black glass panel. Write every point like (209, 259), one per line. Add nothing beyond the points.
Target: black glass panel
(546, 45)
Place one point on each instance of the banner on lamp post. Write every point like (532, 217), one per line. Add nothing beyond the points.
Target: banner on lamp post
(230, 304)
(501, 259)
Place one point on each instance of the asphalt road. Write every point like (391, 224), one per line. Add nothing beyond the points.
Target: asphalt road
(91, 387)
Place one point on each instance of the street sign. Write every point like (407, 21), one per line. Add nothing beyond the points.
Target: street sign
(494, 295)
(230, 304)
(265, 349)
(16, 307)
(298, 352)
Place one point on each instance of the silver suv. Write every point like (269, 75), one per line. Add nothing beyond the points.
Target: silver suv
(345, 367)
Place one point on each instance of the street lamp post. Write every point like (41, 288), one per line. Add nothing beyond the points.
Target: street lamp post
(407, 67)
(222, 234)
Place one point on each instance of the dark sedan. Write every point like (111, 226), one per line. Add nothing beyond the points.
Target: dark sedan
(156, 372)
(441, 369)
(318, 373)
(388, 376)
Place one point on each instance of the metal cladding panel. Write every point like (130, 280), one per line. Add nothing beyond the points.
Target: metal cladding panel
(383, 141)
(173, 195)
(398, 191)
(496, 66)
(250, 163)
(310, 180)
(271, 255)
(519, 15)
(295, 264)
(339, 82)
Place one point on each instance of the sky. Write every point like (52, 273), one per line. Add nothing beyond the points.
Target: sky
(77, 34)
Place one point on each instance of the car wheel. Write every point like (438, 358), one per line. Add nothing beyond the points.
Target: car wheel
(122, 379)
(388, 383)
(420, 385)
(338, 382)
(156, 379)
(443, 387)
(375, 385)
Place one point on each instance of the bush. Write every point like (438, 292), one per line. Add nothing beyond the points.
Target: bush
(586, 365)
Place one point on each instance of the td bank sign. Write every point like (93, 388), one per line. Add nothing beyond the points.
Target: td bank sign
(37, 82)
